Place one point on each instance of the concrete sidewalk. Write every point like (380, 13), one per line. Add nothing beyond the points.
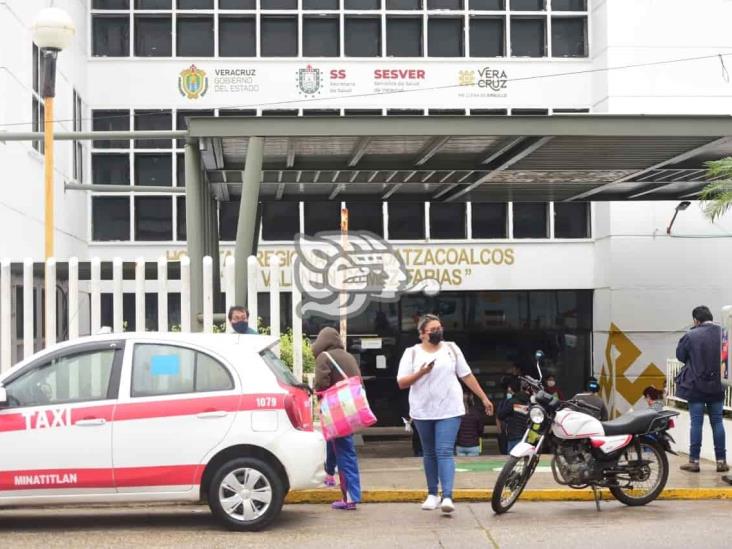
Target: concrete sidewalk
(401, 479)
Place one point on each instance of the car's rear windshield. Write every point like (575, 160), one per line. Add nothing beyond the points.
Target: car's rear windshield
(279, 368)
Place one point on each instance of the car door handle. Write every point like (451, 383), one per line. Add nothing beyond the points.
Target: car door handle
(91, 422)
(212, 414)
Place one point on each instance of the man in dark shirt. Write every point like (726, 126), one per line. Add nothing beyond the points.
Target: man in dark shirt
(592, 398)
(699, 382)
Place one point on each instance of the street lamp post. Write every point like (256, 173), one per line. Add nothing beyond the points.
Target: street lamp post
(53, 31)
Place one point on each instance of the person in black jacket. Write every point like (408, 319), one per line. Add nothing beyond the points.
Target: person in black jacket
(699, 382)
(513, 413)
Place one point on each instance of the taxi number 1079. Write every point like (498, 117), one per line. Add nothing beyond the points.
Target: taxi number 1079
(266, 402)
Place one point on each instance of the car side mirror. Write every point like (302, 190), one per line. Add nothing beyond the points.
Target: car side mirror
(3, 397)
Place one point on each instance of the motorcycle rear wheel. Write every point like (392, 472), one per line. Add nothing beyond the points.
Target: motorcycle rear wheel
(635, 497)
(513, 478)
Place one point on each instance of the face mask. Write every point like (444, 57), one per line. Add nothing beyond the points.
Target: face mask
(435, 337)
(509, 395)
(240, 327)
(551, 383)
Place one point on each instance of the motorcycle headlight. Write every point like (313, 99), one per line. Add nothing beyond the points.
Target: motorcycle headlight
(536, 414)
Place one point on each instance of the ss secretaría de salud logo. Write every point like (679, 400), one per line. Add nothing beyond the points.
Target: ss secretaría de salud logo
(192, 82)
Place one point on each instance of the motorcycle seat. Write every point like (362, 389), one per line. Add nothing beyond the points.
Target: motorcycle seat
(634, 423)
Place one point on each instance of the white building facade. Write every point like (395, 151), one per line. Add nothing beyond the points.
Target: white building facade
(601, 285)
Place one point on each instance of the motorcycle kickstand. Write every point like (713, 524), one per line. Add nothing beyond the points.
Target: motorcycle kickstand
(598, 496)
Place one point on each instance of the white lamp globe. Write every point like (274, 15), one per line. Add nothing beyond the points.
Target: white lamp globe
(53, 28)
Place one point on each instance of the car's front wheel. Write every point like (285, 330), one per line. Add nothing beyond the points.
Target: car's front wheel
(246, 494)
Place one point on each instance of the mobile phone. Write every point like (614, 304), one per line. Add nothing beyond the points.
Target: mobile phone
(431, 364)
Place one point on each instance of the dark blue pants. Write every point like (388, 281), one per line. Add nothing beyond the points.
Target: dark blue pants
(346, 459)
(696, 413)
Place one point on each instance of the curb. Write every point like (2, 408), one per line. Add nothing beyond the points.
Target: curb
(479, 495)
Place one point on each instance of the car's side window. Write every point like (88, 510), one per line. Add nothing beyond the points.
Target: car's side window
(169, 370)
(78, 377)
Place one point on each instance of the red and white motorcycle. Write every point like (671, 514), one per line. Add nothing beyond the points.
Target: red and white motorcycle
(627, 455)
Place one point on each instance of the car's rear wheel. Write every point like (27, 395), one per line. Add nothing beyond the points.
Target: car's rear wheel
(246, 494)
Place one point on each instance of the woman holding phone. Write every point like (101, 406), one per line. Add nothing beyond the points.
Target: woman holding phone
(431, 370)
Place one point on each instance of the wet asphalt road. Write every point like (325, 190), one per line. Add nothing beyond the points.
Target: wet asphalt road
(666, 524)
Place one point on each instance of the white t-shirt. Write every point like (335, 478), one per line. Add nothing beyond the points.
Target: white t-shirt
(436, 395)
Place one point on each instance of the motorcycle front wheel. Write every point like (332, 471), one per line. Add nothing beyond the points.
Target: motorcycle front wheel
(511, 482)
(651, 474)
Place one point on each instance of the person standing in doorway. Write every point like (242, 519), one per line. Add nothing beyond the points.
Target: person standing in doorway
(239, 320)
(514, 414)
(328, 346)
(431, 370)
(700, 383)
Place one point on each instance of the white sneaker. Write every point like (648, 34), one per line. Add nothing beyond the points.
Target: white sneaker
(431, 503)
(447, 506)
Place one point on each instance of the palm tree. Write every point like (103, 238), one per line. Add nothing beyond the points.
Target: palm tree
(716, 197)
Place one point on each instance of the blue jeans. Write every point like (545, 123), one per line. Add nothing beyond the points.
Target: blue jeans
(696, 412)
(470, 451)
(511, 443)
(330, 459)
(438, 441)
(346, 459)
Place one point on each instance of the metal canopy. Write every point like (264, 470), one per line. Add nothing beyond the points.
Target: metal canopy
(454, 158)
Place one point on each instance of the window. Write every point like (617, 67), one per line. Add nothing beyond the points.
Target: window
(487, 37)
(237, 37)
(38, 109)
(279, 368)
(279, 4)
(530, 220)
(228, 220)
(444, 4)
(111, 120)
(403, 37)
(237, 4)
(280, 220)
(406, 220)
(153, 36)
(320, 4)
(447, 220)
(80, 377)
(362, 4)
(571, 220)
(279, 36)
(153, 120)
(195, 4)
(180, 218)
(362, 37)
(154, 170)
(181, 123)
(489, 219)
(194, 36)
(153, 4)
(322, 216)
(445, 37)
(153, 218)
(527, 37)
(404, 4)
(366, 216)
(110, 36)
(527, 5)
(110, 4)
(496, 5)
(110, 169)
(110, 218)
(320, 37)
(170, 370)
(77, 148)
(569, 37)
(569, 5)
(180, 170)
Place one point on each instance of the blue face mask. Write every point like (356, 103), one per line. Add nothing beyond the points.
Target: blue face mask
(509, 395)
(240, 327)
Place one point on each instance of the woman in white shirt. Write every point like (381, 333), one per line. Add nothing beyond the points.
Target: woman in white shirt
(431, 370)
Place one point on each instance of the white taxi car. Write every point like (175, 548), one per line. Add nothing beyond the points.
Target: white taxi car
(141, 417)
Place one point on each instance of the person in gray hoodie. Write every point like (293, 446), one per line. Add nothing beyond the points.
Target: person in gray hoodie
(328, 346)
